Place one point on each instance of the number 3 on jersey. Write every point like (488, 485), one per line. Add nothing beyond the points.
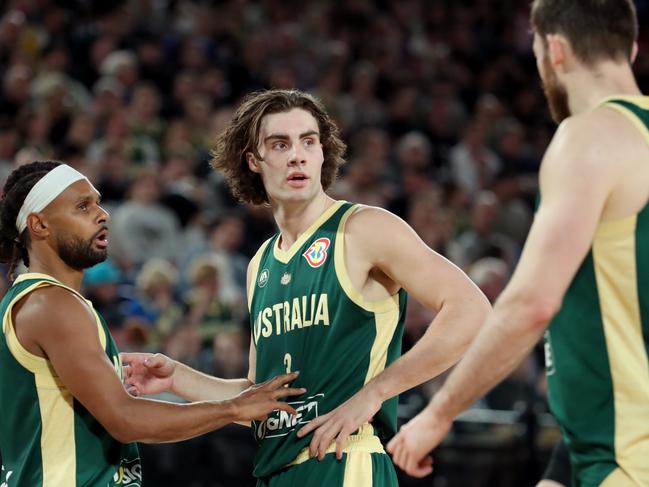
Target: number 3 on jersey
(288, 360)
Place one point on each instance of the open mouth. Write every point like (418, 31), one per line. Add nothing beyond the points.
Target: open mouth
(297, 179)
(102, 238)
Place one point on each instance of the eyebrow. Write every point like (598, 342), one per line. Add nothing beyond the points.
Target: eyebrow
(286, 136)
(88, 197)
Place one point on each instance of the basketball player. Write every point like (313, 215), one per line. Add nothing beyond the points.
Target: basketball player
(585, 267)
(66, 419)
(327, 297)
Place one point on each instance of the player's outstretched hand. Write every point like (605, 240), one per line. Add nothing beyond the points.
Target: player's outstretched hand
(147, 373)
(410, 448)
(259, 400)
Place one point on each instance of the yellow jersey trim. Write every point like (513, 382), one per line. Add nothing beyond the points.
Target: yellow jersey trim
(614, 257)
(641, 100)
(58, 448)
(254, 270)
(386, 324)
(382, 306)
(613, 228)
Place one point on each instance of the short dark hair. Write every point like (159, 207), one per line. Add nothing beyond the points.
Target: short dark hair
(596, 29)
(242, 136)
(13, 246)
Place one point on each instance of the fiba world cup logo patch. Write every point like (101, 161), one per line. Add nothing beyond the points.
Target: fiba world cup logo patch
(316, 254)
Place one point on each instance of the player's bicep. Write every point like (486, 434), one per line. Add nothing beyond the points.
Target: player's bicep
(410, 263)
(90, 377)
(421, 272)
(70, 340)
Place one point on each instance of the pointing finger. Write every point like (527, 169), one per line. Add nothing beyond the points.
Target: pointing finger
(285, 407)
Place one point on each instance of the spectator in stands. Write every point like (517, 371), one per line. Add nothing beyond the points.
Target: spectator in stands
(142, 228)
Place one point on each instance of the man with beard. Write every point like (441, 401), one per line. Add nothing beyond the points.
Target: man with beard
(66, 417)
(584, 272)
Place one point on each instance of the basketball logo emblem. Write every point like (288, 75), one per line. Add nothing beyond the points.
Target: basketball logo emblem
(316, 254)
(263, 278)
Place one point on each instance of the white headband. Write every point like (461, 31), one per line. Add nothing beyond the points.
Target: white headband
(45, 191)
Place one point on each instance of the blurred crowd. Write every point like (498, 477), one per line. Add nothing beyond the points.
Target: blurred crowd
(438, 100)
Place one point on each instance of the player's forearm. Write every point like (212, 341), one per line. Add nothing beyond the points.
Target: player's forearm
(511, 331)
(193, 385)
(443, 344)
(151, 421)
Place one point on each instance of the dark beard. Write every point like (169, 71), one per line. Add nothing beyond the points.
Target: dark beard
(555, 93)
(79, 254)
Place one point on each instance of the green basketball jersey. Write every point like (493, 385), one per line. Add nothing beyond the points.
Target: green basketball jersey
(307, 316)
(598, 344)
(47, 438)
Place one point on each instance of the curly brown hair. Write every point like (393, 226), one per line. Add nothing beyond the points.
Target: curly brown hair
(242, 136)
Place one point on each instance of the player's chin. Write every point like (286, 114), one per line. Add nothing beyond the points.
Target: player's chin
(297, 195)
(100, 255)
(96, 256)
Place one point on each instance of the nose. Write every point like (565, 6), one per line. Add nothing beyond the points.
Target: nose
(103, 216)
(296, 154)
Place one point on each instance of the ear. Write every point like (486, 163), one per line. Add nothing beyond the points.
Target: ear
(37, 225)
(557, 49)
(634, 52)
(253, 163)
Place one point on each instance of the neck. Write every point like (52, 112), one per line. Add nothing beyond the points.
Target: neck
(42, 263)
(294, 218)
(588, 87)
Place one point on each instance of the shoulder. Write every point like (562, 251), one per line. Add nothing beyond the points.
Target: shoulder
(376, 231)
(52, 307)
(591, 134)
(372, 221)
(586, 143)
